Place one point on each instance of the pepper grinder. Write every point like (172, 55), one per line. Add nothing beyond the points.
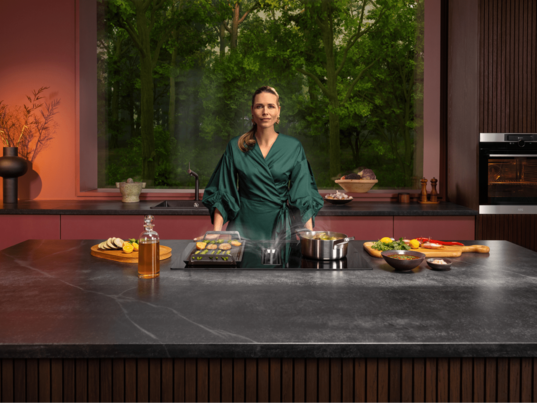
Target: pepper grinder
(423, 198)
(434, 194)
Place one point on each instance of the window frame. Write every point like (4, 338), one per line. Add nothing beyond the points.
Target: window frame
(86, 109)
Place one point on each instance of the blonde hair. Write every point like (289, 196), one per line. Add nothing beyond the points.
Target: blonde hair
(247, 140)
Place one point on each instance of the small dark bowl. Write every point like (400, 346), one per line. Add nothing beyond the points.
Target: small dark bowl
(339, 201)
(442, 267)
(403, 265)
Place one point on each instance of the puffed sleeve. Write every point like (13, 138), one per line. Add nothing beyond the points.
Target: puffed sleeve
(303, 193)
(221, 191)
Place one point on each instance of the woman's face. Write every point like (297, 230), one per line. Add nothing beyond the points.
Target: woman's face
(265, 111)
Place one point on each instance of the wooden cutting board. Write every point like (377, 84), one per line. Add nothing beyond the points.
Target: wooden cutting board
(446, 251)
(119, 256)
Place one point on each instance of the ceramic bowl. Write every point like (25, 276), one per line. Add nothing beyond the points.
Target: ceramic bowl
(356, 185)
(338, 201)
(403, 265)
(442, 267)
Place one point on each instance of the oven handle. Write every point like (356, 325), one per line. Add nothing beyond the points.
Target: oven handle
(514, 155)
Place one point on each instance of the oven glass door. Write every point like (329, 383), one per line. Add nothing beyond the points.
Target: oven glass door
(510, 178)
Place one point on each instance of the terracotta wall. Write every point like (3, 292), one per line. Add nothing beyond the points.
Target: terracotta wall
(42, 50)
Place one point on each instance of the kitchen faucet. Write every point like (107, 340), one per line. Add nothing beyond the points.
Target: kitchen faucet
(195, 175)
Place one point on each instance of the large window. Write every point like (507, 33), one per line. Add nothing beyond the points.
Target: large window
(175, 81)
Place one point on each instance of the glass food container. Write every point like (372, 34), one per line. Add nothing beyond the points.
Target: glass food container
(149, 253)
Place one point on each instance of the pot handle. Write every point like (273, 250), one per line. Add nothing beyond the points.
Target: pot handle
(340, 242)
(298, 231)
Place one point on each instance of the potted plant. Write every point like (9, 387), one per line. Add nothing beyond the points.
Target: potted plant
(25, 132)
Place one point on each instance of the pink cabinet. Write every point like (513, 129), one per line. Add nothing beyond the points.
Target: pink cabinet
(441, 228)
(365, 228)
(19, 228)
(127, 226)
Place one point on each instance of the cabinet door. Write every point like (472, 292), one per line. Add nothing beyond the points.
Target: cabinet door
(104, 227)
(440, 228)
(19, 228)
(361, 228)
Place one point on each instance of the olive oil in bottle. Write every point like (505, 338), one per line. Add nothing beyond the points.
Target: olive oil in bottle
(149, 252)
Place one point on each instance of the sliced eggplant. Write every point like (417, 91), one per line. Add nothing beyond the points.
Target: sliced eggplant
(118, 242)
(110, 243)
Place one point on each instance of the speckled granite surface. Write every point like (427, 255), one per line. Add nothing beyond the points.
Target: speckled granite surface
(59, 301)
(354, 208)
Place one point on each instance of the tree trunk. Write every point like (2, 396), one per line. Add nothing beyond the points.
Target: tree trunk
(114, 104)
(147, 117)
(333, 124)
(171, 109)
(222, 41)
(331, 85)
(147, 101)
(235, 26)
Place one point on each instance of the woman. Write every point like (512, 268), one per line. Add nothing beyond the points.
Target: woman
(272, 169)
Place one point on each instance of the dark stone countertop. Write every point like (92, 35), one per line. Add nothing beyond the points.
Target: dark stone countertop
(59, 301)
(354, 208)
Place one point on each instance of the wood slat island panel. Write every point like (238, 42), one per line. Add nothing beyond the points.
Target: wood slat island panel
(335, 379)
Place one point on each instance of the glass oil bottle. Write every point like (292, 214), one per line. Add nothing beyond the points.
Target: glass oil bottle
(149, 253)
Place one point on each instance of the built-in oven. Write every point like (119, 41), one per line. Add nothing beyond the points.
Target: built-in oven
(507, 173)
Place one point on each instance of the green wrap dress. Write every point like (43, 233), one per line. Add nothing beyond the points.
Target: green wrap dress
(259, 207)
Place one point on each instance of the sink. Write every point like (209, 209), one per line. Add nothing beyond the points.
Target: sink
(179, 204)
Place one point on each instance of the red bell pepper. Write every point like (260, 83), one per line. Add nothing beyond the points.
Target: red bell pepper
(423, 240)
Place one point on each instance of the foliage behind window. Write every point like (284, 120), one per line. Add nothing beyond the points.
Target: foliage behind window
(175, 82)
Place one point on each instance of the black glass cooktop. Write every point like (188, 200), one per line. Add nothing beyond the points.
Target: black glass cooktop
(264, 256)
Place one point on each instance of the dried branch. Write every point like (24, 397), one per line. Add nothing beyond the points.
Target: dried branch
(24, 128)
(45, 128)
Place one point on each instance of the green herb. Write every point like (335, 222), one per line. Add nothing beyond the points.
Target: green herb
(205, 251)
(219, 251)
(220, 241)
(395, 245)
(197, 252)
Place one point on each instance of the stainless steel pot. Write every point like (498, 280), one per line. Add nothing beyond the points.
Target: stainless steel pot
(323, 250)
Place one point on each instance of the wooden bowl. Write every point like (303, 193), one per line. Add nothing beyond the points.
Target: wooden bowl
(356, 185)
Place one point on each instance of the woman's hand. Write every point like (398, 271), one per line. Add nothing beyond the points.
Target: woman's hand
(218, 220)
(309, 225)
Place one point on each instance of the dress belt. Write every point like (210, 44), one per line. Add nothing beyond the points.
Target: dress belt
(282, 228)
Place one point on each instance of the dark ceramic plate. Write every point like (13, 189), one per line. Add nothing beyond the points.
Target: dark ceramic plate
(339, 201)
(403, 265)
(442, 267)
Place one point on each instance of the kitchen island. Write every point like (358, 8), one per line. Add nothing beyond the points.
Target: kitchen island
(77, 327)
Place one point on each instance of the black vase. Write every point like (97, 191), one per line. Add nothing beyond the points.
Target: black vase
(11, 167)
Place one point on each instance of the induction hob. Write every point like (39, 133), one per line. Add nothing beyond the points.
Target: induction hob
(261, 255)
